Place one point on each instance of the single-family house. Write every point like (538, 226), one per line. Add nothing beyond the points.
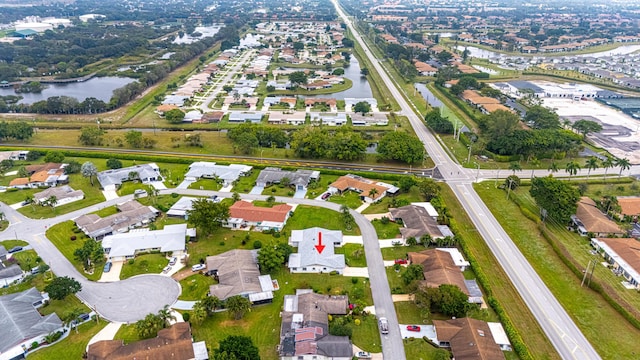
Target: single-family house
(623, 255)
(369, 190)
(316, 251)
(14, 155)
(589, 219)
(445, 266)
(300, 179)
(629, 206)
(212, 117)
(304, 333)
(210, 170)
(469, 339)
(124, 246)
(329, 119)
(193, 116)
(418, 221)
(10, 274)
(349, 103)
(21, 324)
(243, 214)
(237, 273)
(242, 117)
(130, 215)
(41, 175)
(287, 118)
(375, 119)
(63, 195)
(146, 173)
(180, 208)
(172, 343)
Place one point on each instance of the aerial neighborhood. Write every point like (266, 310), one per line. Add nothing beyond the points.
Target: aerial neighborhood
(319, 180)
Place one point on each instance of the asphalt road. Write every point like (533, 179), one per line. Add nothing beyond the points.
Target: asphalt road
(556, 323)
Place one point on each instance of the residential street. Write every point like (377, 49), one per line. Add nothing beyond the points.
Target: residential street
(556, 323)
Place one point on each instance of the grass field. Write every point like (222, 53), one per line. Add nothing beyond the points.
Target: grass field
(349, 198)
(611, 335)
(60, 235)
(389, 230)
(195, 287)
(307, 216)
(144, 264)
(73, 347)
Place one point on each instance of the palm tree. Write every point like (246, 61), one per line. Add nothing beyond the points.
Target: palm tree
(607, 163)
(572, 168)
(553, 167)
(166, 316)
(149, 326)
(372, 193)
(199, 312)
(238, 305)
(592, 164)
(515, 166)
(52, 201)
(211, 304)
(623, 164)
(71, 318)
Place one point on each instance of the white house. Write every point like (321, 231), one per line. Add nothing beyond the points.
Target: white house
(329, 237)
(63, 194)
(111, 179)
(623, 256)
(209, 170)
(316, 253)
(171, 239)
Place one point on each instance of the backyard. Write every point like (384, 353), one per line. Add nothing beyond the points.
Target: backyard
(74, 346)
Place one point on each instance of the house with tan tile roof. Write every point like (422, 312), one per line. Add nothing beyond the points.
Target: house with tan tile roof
(589, 219)
(629, 205)
(369, 190)
(623, 256)
(469, 339)
(243, 214)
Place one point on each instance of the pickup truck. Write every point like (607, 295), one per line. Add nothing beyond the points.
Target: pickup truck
(383, 324)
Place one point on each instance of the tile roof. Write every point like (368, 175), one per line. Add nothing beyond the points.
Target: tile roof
(61, 192)
(416, 221)
(237, 272)
(470, 339)
(593, 219)
(360, 184)
(249, 212)
(629, 205)
(627, 248)
(439, 268)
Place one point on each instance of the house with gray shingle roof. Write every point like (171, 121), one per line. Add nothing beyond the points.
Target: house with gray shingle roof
(313, 257)
(112, 179)
(21, 324)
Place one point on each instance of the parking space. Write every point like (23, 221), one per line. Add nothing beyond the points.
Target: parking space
(114, 273)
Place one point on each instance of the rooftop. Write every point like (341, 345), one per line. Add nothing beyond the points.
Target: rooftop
(249, 212)
(171, 238)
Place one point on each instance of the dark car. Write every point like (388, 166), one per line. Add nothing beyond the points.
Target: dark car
(107, 267)
(15, 249)
(84, 317)
(413, 328)
(325, 196)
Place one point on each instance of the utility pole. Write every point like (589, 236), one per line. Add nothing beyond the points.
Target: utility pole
(469, 154)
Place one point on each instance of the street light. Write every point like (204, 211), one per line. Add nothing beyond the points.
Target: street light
(469, 154)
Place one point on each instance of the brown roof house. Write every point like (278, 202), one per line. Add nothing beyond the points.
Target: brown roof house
(237, 273)
(305, 327)
(589, 219)
(629, 206)
(419, 220)
(243, 214)
(130, 215)
(49, 174)
(172, 343)
(469, 339)
(369, 190)
(445, 266)
(623, 255)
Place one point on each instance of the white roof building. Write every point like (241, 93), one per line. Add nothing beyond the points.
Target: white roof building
(127, 245)
(316, 254)
(226, 173)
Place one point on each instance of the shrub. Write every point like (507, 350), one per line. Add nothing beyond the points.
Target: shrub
(354, 280)
(186, 316)
(257, 244)
(174, 195)
(222, 243)
(73, 237)
(131, 261)
(384, 220)
(357, 322)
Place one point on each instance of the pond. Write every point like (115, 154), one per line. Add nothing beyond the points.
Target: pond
(360, 87)
(488, 54)
(205, 31)
(98, 87)
(428, 95)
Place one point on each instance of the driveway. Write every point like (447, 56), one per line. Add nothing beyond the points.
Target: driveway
(425, 330)
(356, 272)
(257, 190)
(114, 273)
(110, 194)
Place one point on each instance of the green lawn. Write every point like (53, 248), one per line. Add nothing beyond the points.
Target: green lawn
(263, 323)
(144, 264)
(11, 196)
(398, 252)
(127, 333)
(389, 230)
(92, 195)
(72, 347)
(277, 190)
(409, 313)
(308, 216)
(30, 281)
(129, 187)
(224, 240)
(402, 199)
(245, 183)
(60, 235)
(195, 287)
(418, 349)
(8, 244)
(349, 198)
(62, 307)
(27, 259)
(611, 335)
(353, 254)
(206, 184)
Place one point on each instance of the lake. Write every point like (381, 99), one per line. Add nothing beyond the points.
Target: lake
(360, 87)
(98, 87)
(428, 95)
(488, 54)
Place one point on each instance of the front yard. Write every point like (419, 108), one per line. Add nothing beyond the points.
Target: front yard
(143, 264)
(60, 235)
(195, 287)
(308, 216)
(349, 198)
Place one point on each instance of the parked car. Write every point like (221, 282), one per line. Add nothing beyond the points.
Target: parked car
(363, 355)
(325, 196)
(84, 317)
(173, 261)
(140, 192)
(15, 249)
(215, 199)
(107, 266)
(401, 261)
(413, 328)
(383, 324)
(166, 269)
(198, 267)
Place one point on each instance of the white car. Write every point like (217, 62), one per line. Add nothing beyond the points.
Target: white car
(166, 269)
(363, 355)
(173, 261)
(198, 267)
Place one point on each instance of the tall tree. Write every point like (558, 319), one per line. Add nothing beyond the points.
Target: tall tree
(607, 164)
(238, 306)
(572, 168)
(269, 258)
(623, 164)
(591, 164)
(515, 166)
(429, 188)
(362, 107)
(89, 170)
(542, 118)
(207, 215)
(500, 123)
(91, 136)
(557, 197)
(149, 326)
(166, 316)
(401, 146)
(238, 348)
(586, 127)
(61, 287)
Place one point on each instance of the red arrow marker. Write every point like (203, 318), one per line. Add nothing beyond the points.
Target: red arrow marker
(320, 247)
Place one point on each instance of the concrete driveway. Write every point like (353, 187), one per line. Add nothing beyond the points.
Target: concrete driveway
(425, 330)
(114, 273)
(356, 272)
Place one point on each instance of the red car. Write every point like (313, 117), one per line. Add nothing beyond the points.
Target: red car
(413, 328)
(401, 261)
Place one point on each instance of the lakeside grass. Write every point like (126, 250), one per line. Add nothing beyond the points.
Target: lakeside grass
(610, 334)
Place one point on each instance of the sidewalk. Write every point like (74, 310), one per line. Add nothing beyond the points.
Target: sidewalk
(107, 333)
(362, 207)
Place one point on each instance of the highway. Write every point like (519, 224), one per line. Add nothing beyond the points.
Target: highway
(553, 319)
